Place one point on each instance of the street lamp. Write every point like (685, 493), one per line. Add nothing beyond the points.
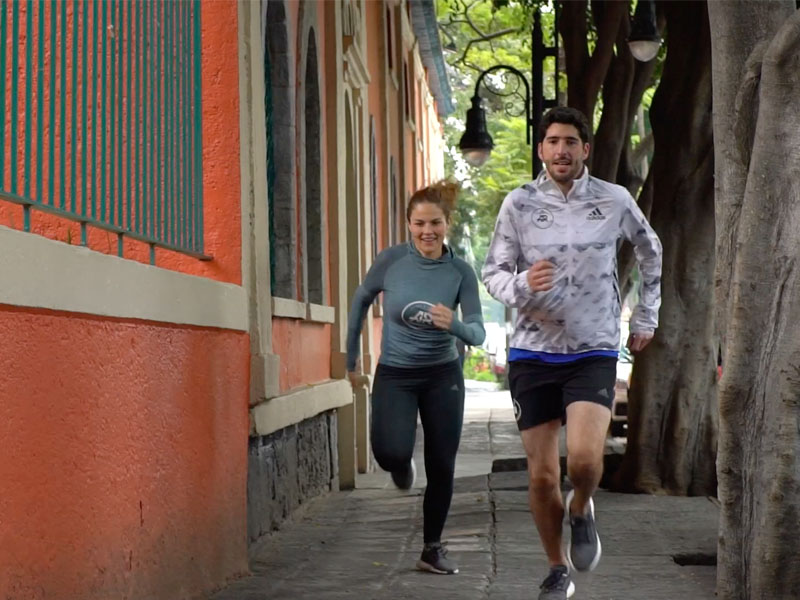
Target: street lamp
(644, 40)
(476, 144)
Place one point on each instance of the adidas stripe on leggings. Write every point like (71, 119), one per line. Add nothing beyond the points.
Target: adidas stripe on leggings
(437, 393)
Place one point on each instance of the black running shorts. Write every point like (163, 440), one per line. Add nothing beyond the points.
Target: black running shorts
(542, 391)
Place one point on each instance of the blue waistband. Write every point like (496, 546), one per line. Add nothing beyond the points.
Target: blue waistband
(552, 357)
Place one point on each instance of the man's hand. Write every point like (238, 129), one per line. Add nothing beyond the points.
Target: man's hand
(540, 276)
(638, 341)
(442, 317)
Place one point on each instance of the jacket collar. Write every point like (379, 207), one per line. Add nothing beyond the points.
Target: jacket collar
(547, 185)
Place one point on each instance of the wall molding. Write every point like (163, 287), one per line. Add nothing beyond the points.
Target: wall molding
(286, 307)
(321, 314)
(296, 406)
(294, 309)
(37, 272)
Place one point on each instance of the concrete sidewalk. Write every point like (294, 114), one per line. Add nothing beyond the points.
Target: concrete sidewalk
(364, 543)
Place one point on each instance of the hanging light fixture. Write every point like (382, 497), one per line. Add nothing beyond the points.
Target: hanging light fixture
(644, 40)
(476, 144)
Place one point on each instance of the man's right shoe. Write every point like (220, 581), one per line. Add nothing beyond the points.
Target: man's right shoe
(405, 479)
(584, 546)
(557, 585)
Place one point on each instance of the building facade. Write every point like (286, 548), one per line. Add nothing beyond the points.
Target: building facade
(189, 194)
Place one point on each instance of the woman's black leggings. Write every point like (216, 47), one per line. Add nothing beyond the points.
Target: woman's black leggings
(437, 392)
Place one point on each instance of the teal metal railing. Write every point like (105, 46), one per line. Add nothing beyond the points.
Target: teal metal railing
(101, 117)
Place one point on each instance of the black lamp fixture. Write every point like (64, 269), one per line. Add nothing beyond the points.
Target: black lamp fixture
(476, 144)
(644, 40)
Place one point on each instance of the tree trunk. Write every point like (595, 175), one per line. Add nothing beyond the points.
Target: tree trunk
(759, 189)
(672, 405)
(585, 73)
(738, 28)
(626, 260)
(627, 175)
(610, 141)
(623, 85)
(626, 81)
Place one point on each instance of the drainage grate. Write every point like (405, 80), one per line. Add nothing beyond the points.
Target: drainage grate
(695, 559)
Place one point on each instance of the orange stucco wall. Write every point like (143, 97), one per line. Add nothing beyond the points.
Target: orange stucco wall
(304, 349)
(124, 457)
(378, 65)
(220, 137)
(124, 443)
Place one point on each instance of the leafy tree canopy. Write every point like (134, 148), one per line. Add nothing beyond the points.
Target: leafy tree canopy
(479, 34)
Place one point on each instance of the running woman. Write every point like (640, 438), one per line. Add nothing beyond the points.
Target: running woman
(419, 371)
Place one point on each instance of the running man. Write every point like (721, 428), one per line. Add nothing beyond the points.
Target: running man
(553, 256)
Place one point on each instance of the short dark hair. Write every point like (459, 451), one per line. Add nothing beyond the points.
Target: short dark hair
(567, 116)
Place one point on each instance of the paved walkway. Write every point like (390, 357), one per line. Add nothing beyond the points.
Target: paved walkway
(363, 544)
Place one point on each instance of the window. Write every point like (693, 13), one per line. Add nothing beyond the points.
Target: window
(373, 187)
(280, 158)
(393, 208)
(312, 171)
(389, 39)
(406, 98)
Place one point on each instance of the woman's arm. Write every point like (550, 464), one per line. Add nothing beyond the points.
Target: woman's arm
(362, 300)
(470, 329)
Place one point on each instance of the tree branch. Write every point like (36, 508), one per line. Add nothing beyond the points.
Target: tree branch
(610, 21)
(644, 148)
(586, 73)
(573, 29)
(484, 38)
(481, 35)
(745, 112)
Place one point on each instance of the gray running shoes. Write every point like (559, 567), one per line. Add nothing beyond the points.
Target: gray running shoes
(584, 547)
(557, 585)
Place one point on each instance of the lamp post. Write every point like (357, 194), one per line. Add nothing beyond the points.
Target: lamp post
(644, 40)
(476, 144)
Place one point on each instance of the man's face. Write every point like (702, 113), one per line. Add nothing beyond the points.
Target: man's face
(563, 153)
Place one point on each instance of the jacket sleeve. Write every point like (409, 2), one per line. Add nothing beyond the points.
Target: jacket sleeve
(362, 300)
(500, 269)
(470, 328)
(647, 248)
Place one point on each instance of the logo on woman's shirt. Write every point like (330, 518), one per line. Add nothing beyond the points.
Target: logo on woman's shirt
(417, 314)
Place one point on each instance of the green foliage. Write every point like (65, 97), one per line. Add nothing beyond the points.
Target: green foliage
(509, 165)
(477, 35)
(478, 367)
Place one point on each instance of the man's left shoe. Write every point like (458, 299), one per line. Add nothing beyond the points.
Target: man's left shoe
(584, 549)
(434, 560)
(557, 585)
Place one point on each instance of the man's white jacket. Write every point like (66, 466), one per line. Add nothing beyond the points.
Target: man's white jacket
(580, 235)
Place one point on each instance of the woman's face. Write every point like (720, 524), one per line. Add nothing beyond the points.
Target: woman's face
(428, 227)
